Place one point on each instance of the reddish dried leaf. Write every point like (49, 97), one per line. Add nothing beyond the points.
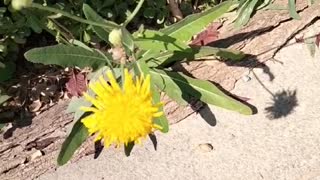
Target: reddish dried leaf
(77, 83)
(210, 34)
(318, 40)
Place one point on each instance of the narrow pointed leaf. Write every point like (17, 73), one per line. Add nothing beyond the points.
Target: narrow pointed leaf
(194, 24)
(77, 136)
(292, 10)
(159, 42)
(245, 13)
(183, 88)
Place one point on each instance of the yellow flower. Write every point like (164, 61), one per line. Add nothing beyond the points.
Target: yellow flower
(121, 115)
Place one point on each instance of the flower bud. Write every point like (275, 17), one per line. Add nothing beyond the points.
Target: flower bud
(115, 37)
(19, 4)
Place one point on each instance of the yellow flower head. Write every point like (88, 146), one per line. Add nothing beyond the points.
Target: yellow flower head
(121, 115)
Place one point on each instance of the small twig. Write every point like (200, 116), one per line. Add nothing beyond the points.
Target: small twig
(260, 82)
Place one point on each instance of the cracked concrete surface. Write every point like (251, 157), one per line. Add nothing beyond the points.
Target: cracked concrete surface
(244, 147)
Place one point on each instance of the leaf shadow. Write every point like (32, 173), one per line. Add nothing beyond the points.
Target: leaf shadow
(283, 104)
(236, 38)
(98, 147)
(154, 141)
(165, 39)
(17, 123)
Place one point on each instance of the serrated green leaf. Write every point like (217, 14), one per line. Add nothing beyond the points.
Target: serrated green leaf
(245, 13)
(182, 88)
(78, 135)
(93, 16)
(194, 24)
(67, 56)
(159, 42)
(292, 9)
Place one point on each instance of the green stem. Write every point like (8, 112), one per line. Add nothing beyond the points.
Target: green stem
(108, 61)
(108, 25)
(134, 13)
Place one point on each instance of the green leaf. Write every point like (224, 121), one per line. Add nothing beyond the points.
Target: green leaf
(245, 13)
(142, 68)
(3, 97)
(229, 54)
(165, 59)
(159, 42)
(93, 16)
(80, 44)
(183, 89)
(78, 135)
(292, 10)
(127, 40)
(1, 126)
(34, 23)
(67, 56)
(162, 120)
(7, 72)
(193, 24)
(75, 103)
(264, 4)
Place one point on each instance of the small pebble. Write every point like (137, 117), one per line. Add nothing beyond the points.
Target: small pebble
(206, 147)
(36, 154)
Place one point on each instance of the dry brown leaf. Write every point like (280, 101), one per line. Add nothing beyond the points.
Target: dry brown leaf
(77, 83)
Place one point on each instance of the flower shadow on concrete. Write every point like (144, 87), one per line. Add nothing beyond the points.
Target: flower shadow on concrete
(283, 104)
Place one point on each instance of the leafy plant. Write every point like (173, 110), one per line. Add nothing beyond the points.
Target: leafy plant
(246, 8)
(169, 45)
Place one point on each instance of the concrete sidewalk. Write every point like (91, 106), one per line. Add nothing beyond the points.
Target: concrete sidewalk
(244, 147)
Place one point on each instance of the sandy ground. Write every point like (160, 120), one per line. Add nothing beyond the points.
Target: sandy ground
(244, 147)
